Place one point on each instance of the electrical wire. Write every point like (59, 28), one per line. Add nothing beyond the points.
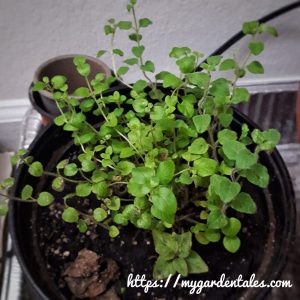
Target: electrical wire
(235, 38)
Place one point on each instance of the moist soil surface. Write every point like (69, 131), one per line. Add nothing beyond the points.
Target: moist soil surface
(133, 251)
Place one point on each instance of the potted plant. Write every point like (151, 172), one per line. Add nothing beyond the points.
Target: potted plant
(154, 178)
(62, 65)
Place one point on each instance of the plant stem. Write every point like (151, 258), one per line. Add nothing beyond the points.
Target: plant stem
(212, 142)
(137, 31)
(17, 198)
(64, 178)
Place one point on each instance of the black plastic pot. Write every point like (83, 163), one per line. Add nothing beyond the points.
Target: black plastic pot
(264, 252)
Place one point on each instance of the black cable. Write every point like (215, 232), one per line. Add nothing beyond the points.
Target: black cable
(235, 38)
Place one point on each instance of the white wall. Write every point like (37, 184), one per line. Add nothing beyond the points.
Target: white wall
(32, 31)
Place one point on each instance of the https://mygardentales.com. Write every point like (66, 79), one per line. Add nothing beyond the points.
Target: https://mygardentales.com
(196, 286)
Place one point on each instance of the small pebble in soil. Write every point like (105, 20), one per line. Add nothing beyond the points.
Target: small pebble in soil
(134, 243)
(138, 294)
(66, 253)
(122, 243)
(148, 242)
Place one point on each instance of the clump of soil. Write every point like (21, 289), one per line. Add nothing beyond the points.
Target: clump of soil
(89, 276)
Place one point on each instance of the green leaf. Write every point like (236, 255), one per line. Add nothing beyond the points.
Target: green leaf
(114, 203)
(201, 122)
(186, 64)
(177, 52)
(226, 135)
(213, 235)
(180, 266)
(246, 159)
(83, 189)
(256, 47)
(196, 264)
(224, 188)
(255, 67)
(205, 166)
(186, 107)
(138, 51)
(140, 85)
(38, 86)
(231, 244)
(58, 184)
(125, 167)
(165, 204)
(36, 169)
(100, 53)
(62, 164)
(162, 269)
(131, 61)
(268, 29)
(198, 146)
(45, 199)
(135, 37)
(170, 80)
(214, 60)
(165, 171)
(70, 215)
(59, 120)
(84, 69)
(58, 81)
(88, 165)
(220, 87)
(126, 152)
(108, 29)
(8, 182)
(184, 241)
(244, 203)
(232, 228)
(232, 148)
(148, 66)
(122, 71)
(82, 92)
(79, 60)
(144, 221)
(198, 79)
(227, 64)
(185, 178)
(225, 119)
(145, 22)
(250, 27)
(3, 209)
(166, 245)
(125, 25)
(100, 189)
(70, 169)
(99, 214)
(82, 226)
(257, 174)
(120, 219)
(118, 52)
(113, 231)
(201, 239)
(216, 219)
(240, 95)
(26, 192)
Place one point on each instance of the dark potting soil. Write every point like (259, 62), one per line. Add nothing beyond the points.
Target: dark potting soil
(133, 250)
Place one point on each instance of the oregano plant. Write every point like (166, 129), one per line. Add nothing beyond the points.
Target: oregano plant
(167, 140)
